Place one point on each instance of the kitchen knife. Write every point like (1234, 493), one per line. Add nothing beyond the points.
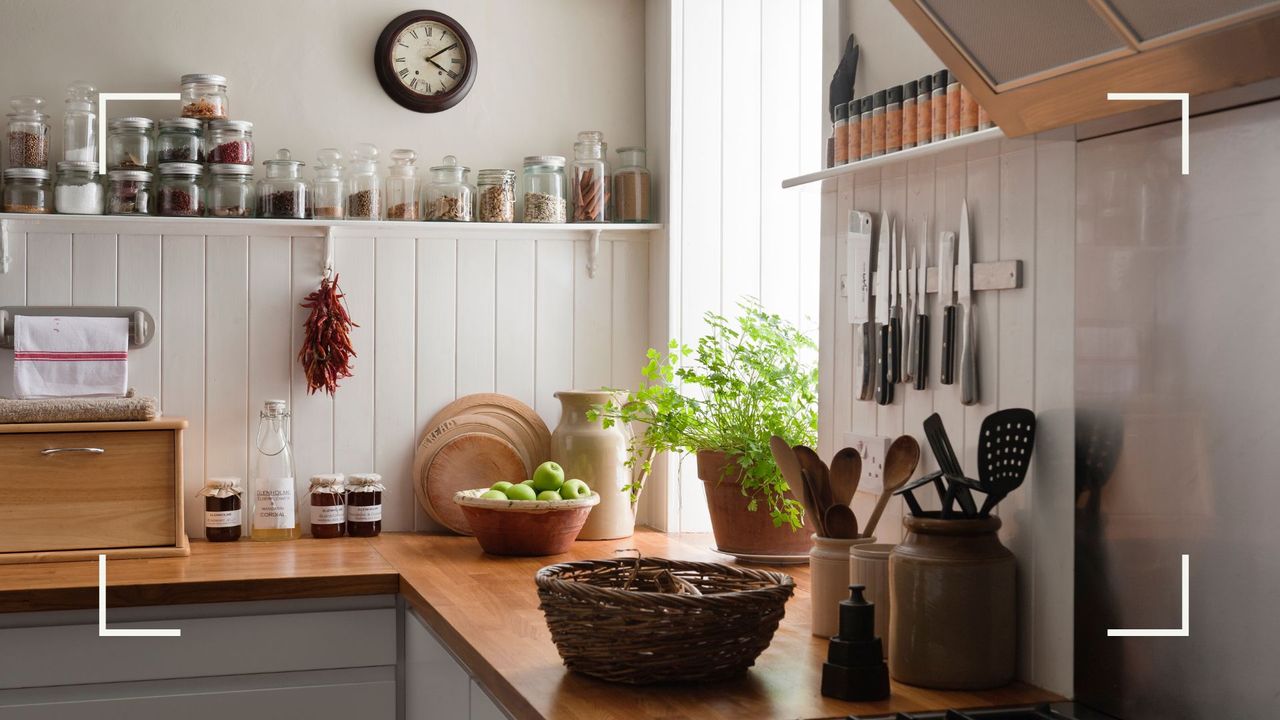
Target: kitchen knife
(895, 307)
(920, 360)
(884, 388)
(969, 323)
(909, 313)
(858, 280)
(947, 296)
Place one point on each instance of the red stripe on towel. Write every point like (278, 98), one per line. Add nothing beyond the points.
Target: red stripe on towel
(74, 356)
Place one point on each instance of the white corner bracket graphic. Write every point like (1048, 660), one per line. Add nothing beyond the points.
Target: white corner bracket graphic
(102, 612)
(1185, 630)
(102, 117)
(1185, 99)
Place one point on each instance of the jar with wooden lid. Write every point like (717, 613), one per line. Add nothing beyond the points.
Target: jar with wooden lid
(328, 506)
(631, 186)
(223, 509)
(27, 190)
(364, 504)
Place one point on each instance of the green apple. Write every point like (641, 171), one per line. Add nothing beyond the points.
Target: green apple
(527, 482)
(549, 495)
(521, 492)
(548, 476)
(574, 490)
(501, 486)
(493, 495)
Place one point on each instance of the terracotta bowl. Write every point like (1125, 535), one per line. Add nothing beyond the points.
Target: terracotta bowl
(525, 527)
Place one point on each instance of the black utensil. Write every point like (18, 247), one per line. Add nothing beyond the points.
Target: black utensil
(948, 344)
(884, 387)
(1004, 453)
(950, 465)
(921, 359)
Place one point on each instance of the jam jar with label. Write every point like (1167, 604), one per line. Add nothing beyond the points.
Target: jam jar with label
(222, 509)
(328, 506)
(364, 504)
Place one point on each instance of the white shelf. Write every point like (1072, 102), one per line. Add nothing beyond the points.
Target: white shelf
(900, 156)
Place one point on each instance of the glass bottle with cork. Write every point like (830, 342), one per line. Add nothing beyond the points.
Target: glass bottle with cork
(275, 502)
(364, 504)
(223, 516)
(328, 506)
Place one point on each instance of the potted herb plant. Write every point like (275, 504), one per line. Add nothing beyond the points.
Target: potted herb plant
(750, 378)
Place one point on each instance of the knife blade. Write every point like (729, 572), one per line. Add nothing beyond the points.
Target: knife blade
(909, 311)
(947, 296)
(884, 251)
(895, 306)
(858, 278)
(921, 358)
(969, 326)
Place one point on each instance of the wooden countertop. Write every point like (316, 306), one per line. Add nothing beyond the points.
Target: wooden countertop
(486, 609)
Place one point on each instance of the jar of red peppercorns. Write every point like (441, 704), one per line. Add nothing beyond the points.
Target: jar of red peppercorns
(328, 506)
(181, 190)
(230, 142)
(364, 504)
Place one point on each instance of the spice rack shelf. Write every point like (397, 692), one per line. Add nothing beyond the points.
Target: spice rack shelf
(895, 157)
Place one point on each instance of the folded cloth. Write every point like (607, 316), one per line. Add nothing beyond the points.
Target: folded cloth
(53, 410)
(70, 356)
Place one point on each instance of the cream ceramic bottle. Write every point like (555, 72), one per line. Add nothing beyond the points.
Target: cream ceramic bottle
(596, 455)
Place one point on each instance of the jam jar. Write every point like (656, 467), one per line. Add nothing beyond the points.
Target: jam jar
(231, 191)
(222, 509)
(27, 190)
(364, 504)
(179, 141)
(129, 143)
(328, 506)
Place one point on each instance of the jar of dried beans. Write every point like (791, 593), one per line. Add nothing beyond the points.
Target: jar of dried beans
(328, 506)
(402, 187)
(631, 186)
(129, 143)
(364, 504)
(204, 96)
(179, 141)
(128, 192)
(327, 200)
(77, 191)
(28, 133)
(231, 191)
(364, 191)
(27, 190)
(544, 189)
(497, 196)
(449, 196)
(283, 192)
(230, 142)
(591, 185)
(181, 191)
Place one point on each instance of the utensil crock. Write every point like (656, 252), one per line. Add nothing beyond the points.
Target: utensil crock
(869, 567)
(829, 581)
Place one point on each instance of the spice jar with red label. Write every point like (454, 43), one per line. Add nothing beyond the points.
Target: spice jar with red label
(938, 109)
(893, 120)
(222, 509)
(328, 506)
(924, 110)
(364, 504)
(877, 123)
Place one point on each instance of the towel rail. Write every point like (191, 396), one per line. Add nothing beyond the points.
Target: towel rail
(142, 327)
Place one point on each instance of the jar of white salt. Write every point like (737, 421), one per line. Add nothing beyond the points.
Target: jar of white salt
(77, 190)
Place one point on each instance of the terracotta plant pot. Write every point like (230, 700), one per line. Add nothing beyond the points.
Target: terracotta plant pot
(736, 529)
(525, 527)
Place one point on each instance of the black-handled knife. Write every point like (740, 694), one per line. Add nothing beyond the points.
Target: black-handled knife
(921, 360)
(884, 385)
(920, 331)
(948, 345)
(895, 309)
(947, 296)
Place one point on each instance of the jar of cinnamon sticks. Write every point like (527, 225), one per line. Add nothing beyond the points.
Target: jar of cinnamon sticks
(590, 185)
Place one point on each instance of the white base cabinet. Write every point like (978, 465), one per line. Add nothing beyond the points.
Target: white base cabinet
(437, 686)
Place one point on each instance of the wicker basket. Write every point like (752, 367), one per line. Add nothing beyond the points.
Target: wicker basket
(654, 620)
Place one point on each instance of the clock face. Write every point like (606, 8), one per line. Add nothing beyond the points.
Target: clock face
(425, 61)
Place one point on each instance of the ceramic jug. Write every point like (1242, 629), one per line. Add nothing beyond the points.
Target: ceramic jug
(597, 455)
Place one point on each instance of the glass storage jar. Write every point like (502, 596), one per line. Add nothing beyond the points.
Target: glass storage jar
(80, 124)
(28, 133)
(402, 187)
(77, 190)
(449, 196)
(231, 191)
(591, 186)
(544, 189)
(496, 191)
(27, 190)
(223, 509)
(128, 192)
(129, 143)
(328, 506)
(179, 140)
(230, 142)
(204, 96)
(631, 186)
(327, 200)
(364, 191)
(364, 504)
(283, 192)
(181, 191)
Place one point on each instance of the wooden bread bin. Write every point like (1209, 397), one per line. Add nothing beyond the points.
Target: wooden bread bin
(72, 491)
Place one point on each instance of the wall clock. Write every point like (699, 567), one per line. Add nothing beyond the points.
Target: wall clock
(425, 61)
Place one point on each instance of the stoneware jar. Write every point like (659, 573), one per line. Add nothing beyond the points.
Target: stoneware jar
(869, 567)
(953, 605)
(829, 581)
(597, 455)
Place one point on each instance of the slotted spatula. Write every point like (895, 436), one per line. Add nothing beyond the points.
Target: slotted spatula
(1004, 453)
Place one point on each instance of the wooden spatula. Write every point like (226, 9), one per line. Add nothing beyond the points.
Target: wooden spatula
(819, 474)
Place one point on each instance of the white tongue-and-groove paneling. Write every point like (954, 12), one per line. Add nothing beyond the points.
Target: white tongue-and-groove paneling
(441, 315)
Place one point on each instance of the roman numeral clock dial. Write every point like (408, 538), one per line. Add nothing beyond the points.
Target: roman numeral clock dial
(425, 61)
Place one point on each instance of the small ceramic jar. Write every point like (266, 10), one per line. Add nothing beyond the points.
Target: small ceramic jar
(829, 581)
(869, 567)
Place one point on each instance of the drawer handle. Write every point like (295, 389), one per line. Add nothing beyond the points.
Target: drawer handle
(86, 450)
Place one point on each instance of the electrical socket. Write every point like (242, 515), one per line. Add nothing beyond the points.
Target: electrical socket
(873, 450)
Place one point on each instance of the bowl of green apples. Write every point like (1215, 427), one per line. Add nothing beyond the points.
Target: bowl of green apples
(540, 516)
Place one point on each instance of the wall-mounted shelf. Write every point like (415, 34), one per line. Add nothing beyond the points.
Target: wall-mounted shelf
(897, 157)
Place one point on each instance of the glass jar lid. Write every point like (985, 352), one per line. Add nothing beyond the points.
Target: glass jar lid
(364, 158)
(135, 175)
(243, 126)
(230, 169)
(80, 96)
(220, 487)
(590, 145)
(283, 164)
(132, 123)
(26, 174)
(275, 408)
(402, 163)
(27, 107)
(180, 124)
(496, 175)
(328, 163)
(449, 169)
(364, 481)
(203, 79)
(552, 160)
(73, 166)
(180, 168)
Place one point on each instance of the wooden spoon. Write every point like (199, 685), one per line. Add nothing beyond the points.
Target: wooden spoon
(841, 522)
(820, 475)
(846, 471)
(811, 505)
(789, 465)
(899, 464)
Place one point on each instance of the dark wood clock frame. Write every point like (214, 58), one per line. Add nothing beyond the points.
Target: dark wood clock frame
(384, 66)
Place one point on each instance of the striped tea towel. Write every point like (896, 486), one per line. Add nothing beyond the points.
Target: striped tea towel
(70, 357)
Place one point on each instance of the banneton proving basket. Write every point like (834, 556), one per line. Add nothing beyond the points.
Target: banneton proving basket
(652, 620)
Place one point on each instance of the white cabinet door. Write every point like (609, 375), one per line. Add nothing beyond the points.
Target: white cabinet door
(437, 687)
(483, 707)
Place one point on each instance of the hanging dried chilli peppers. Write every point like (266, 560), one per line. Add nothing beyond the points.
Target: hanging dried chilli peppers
(326, 348)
